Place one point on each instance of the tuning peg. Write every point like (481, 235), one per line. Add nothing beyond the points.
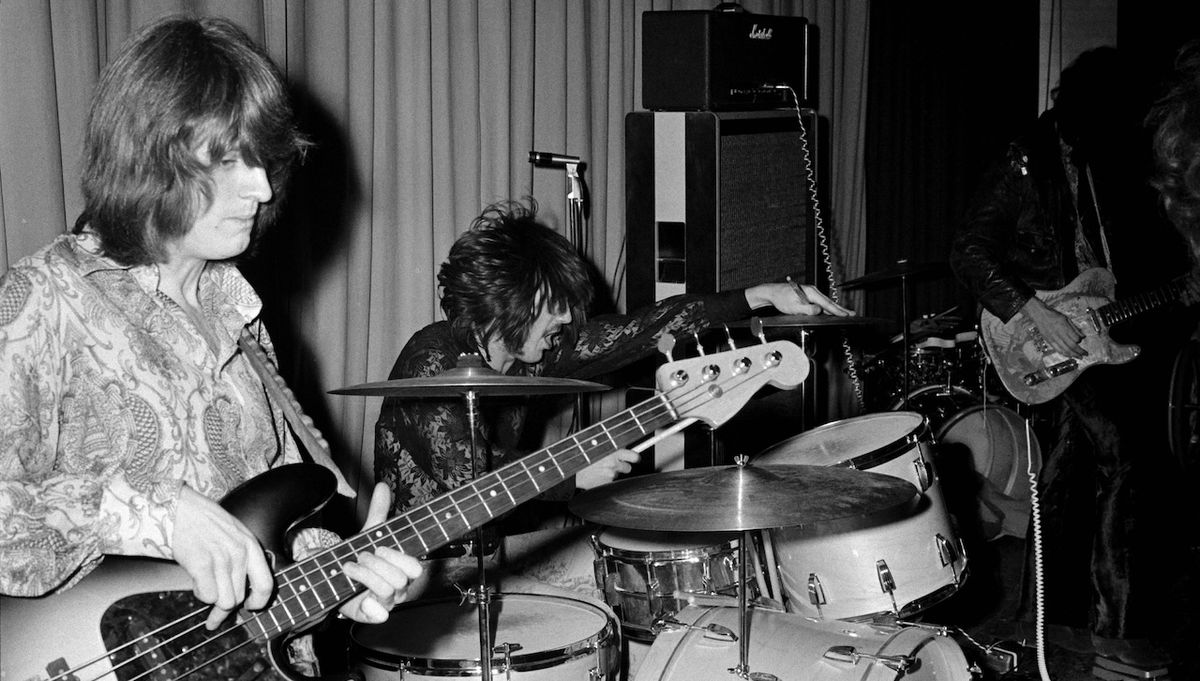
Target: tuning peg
(666, 343)
(729, 337)
(699, 347)
(756, 328)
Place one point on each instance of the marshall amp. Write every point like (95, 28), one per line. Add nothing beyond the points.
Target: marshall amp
(725, 60)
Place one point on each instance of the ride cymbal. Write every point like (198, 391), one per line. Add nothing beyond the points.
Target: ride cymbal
(822, 499)
(470, 376)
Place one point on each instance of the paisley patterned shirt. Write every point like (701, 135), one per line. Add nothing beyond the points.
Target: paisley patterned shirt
(110, 400)
(423, 446)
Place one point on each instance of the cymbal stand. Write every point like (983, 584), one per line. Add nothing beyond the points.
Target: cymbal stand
(904, 361)
(742, 670)
(484, 596)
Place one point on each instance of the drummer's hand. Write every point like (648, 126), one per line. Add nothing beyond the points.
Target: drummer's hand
(1056, 328)
(607, 469)
(793, 299)
(385, 572)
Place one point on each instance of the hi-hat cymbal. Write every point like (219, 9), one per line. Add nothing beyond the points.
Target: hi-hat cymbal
(727, 498)
(470, 376)
(812, 321)
(901, 269)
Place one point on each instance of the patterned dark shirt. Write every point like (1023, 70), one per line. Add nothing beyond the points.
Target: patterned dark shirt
(422, 446)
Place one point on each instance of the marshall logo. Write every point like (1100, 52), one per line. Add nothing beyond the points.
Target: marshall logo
(757, 33)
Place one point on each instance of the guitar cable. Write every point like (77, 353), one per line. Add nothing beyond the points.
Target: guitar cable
(823, 245)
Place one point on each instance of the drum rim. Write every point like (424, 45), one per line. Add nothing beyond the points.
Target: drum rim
(875, 457)
(954, 390)
(663, 557)
(531, 661)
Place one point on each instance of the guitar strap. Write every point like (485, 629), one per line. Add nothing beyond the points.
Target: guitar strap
(1099, 223)
(314, 443)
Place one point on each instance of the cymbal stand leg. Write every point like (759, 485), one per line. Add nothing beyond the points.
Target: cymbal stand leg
(742, 670)
(484, 598)
(904, 321)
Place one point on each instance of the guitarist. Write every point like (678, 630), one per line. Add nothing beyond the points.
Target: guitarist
(127, 408)
(1063, 199)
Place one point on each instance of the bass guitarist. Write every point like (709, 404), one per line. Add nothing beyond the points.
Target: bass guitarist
(128, 405)
(1068, 196)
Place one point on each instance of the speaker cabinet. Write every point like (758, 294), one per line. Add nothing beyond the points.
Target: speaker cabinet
(717, 201)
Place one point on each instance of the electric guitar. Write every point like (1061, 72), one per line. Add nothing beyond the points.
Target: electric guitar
(135, 618)
(1031, 370)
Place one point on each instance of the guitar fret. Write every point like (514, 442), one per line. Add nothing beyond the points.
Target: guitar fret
(611, 439)
(531, 478)
(438, 523)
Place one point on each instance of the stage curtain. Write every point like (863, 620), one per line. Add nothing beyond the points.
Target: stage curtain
(422, 112)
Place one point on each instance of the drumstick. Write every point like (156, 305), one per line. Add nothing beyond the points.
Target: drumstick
(658, 435)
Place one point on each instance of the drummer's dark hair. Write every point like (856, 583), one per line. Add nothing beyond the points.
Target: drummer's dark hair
(503, 268)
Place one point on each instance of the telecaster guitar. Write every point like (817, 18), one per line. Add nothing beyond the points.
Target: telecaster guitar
(1031, 370)
(134, 619)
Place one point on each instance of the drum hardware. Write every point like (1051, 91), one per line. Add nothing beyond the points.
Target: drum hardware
(712, 631)
(714, 499)
(896, 663)
(470, 379)
(903, 271)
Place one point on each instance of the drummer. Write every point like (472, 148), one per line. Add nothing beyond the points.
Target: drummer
(517, 293)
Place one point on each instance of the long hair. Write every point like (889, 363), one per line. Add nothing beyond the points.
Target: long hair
(178, 84)
(502, 269)
(1175, 118)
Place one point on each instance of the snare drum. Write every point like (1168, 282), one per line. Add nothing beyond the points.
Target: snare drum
(645, 575)
(794, 647)
(546, 638)
(902, 567)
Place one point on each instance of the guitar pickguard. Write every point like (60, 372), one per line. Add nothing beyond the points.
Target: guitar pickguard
(170, 645)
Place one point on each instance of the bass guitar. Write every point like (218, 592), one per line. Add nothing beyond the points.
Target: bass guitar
(133, 619)
(1031, 370)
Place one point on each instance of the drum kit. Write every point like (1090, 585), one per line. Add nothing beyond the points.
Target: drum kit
(808, 560)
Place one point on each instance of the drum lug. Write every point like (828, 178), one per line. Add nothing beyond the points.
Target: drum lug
(897, 663)
(886, 581)
(924, 471)
(816, 593)
(948, 554)
(507, 649)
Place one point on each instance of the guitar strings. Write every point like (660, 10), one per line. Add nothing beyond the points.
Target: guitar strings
(688, 398)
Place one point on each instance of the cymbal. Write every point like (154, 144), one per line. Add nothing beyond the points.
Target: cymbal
(726, 498)
(812, 321)
(902, 268)
(470, 376)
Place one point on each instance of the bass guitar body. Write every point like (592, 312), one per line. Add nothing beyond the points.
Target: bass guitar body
(136, 618)
(1029, 368)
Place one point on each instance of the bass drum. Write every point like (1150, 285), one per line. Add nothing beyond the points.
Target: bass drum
(792, 646)
(985, 451)
(548, 638)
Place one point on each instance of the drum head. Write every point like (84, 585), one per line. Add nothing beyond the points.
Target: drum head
(861, 442)
(443, 632)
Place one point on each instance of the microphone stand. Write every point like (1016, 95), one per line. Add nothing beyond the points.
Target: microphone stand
(577, 231)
